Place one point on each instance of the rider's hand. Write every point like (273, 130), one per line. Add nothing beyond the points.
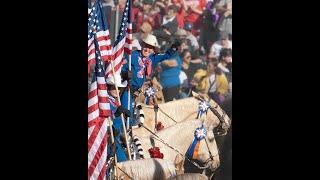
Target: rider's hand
(126, 75)
(122, 110)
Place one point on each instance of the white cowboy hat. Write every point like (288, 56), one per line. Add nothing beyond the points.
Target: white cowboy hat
(151, 40)
(110, 81)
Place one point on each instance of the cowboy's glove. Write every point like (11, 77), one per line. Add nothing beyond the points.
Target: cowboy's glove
(122, 110)
(126, 75)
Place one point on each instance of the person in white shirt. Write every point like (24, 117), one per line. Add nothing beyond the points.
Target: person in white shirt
(224, 42)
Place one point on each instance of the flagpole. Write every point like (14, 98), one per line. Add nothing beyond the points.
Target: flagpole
(112, 140)
(122, 118)
(128, 119)
(116, 25)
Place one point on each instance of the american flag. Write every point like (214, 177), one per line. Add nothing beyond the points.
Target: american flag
(98, 29)
(123, 41)
(98, 111)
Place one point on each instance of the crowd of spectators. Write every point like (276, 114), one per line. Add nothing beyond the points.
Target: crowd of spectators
(204, 29)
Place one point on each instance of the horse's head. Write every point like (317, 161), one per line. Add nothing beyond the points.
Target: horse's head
(207, 154)
(217, 116)
(208, 151)
(224, 119)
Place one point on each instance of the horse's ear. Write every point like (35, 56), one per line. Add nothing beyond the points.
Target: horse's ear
(195, 95)
(200, 97)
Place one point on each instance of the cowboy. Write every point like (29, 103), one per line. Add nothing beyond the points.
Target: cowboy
(142, 63)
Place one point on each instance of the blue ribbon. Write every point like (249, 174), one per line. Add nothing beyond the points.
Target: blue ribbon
(199, 134)
(203, 108)
(150, 93)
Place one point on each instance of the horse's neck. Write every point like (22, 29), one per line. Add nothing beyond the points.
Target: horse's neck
(181, 135)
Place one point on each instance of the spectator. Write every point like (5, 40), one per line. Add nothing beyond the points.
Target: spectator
(193, 40)
(160, 6)
(226, 63)
(225, 21)
(191, 63)
(169, 77)
(180, 13)
(144, 14)
(108, 5)
(169, 25)
(186, 57)
(224, 42)
(209, 30)
(181, 34)
(194, 10)
(211, 82)
(145, 29)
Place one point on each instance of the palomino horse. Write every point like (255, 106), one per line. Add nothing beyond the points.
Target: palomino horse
(172, 112)
(175, 140)
(189, 176)
(154, 168)
(146, 169)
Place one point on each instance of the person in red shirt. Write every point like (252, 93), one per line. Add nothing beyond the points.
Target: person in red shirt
(193, 11)
(144, 14)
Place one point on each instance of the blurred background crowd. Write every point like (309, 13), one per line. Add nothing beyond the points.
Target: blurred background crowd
(203, 27)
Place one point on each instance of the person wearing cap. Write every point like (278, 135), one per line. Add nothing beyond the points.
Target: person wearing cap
(181, 35)
(142, 63)
(224, 42)
(194, 10)
(144, 14)
(193, 40)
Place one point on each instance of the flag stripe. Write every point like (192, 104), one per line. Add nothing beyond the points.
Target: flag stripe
(95, 132)
(97, 148)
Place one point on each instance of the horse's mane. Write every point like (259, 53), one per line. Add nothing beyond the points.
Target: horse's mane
(148, 169)
(180, 126)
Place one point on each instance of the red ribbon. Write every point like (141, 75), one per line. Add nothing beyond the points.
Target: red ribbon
(155, 153)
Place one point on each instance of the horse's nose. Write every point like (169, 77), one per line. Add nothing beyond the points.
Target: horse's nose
(215, 164)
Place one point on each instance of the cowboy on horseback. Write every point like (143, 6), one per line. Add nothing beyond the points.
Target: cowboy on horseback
(141, 68)
(143, 61)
